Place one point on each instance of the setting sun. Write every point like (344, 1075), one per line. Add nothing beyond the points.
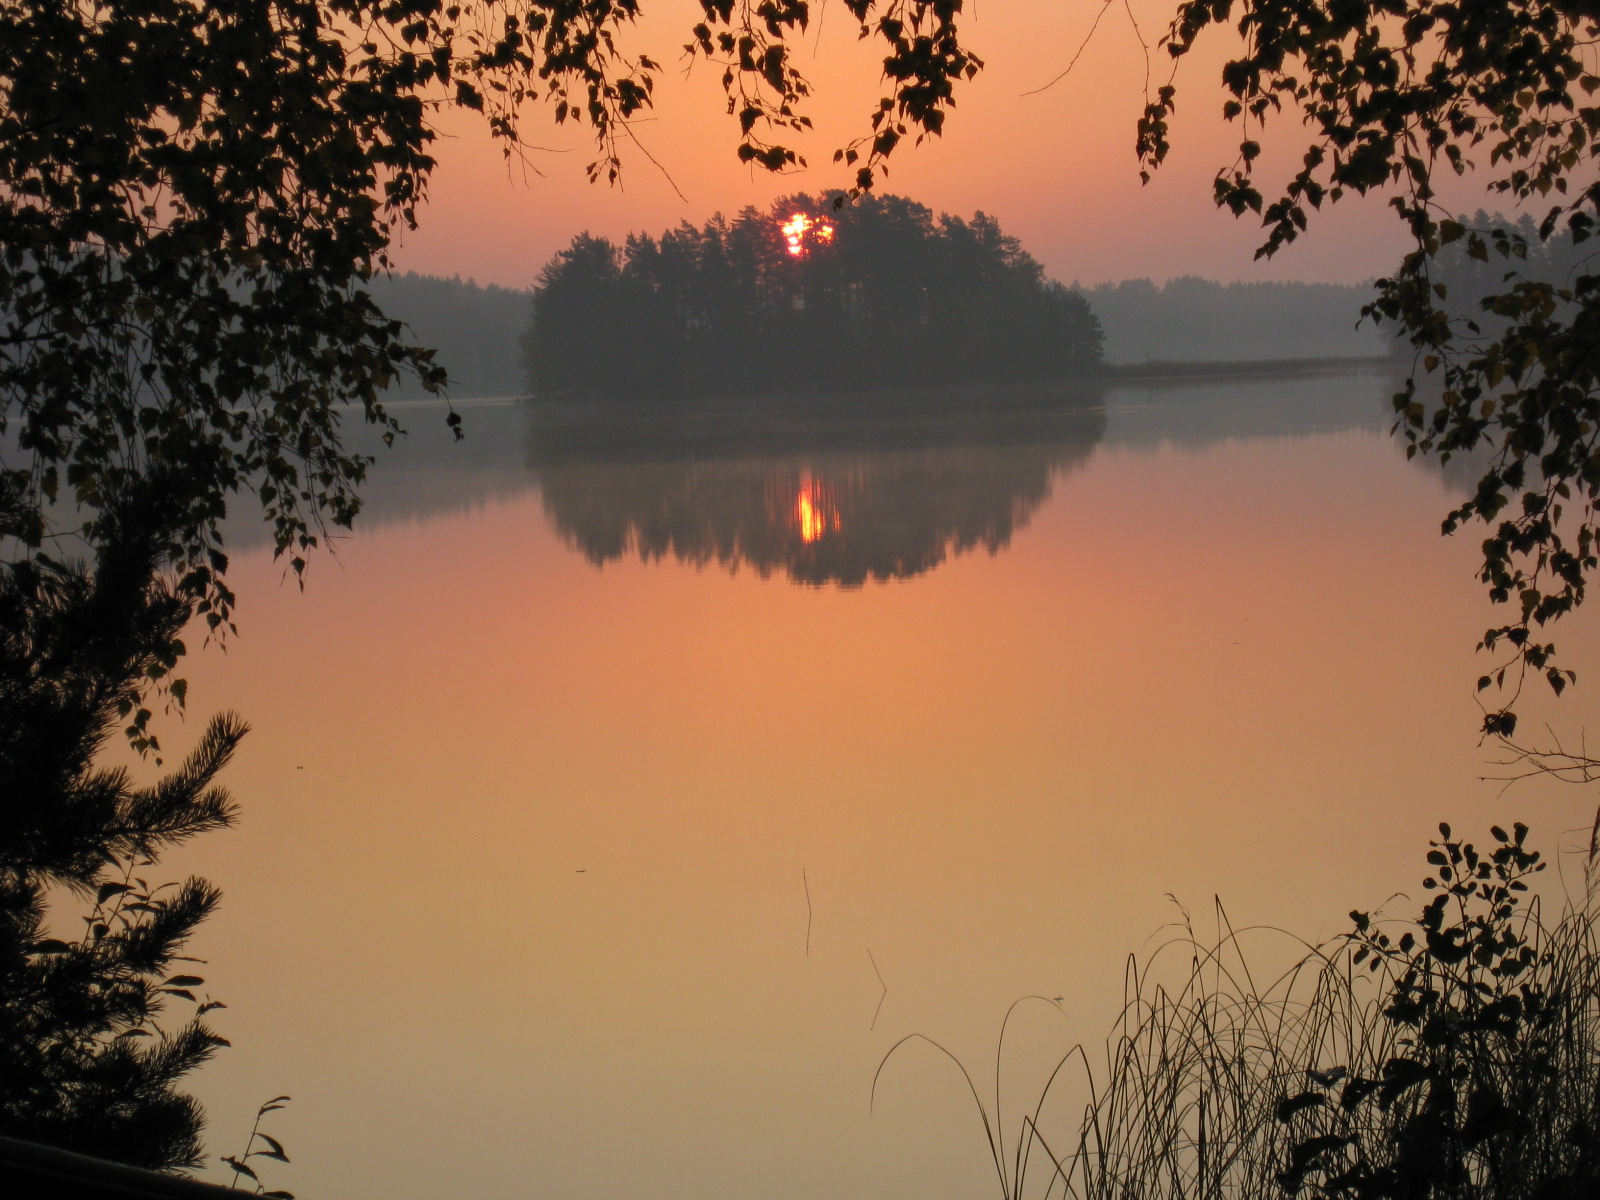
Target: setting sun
(800, 232)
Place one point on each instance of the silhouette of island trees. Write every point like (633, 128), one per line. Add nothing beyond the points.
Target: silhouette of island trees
(877, 293)
(820, 502)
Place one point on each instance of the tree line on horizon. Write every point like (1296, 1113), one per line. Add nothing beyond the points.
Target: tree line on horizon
(803, 294)
(475, 328)
(480, 330)
(1189, 319)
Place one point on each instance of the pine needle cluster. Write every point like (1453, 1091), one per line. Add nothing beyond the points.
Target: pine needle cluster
(87, 1061)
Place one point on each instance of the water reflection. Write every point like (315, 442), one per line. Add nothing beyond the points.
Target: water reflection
(920, 491)
(1195, 414)
(849, 489)
(1202, 658)
(816, 509)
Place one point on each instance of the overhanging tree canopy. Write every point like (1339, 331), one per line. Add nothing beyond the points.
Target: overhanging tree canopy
(194, 195)
(1393, 93)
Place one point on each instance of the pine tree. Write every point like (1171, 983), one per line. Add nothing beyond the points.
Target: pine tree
(84, 1062)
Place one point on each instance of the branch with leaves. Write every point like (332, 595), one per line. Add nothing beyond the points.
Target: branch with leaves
(269, 1147)
(1396, 93)
(193, 201)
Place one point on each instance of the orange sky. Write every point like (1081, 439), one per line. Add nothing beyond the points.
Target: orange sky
(1056, 168)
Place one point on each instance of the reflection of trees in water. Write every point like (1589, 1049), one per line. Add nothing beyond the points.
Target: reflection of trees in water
(826, 516)
(1198, 414)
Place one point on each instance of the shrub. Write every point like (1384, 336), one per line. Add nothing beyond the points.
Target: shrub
(1454, 1056)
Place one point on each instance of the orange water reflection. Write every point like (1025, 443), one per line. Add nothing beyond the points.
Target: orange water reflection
(803, 503)
(522, 867)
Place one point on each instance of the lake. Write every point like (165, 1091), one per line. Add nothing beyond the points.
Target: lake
(611, 810)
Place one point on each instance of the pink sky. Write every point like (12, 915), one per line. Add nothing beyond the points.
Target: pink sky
(1056, 167)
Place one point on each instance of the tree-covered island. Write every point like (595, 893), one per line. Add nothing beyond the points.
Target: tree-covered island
(804, 294)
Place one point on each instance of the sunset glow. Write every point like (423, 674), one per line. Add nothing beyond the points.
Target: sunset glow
(502, 226)
(800, 232)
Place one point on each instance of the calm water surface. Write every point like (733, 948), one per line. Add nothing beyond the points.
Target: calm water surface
(607, 821)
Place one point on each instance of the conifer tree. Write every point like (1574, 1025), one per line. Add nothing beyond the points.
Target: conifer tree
(85, 1061)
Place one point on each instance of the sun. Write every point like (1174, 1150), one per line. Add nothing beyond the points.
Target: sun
(801, 233)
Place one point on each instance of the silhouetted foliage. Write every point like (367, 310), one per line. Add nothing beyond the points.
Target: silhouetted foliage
(260, 1144)
(1453, 1057)
(876, 292)
(195, 198)
(1471, 283)
(1393, 93)
(83, 1063)
(1490, 1088)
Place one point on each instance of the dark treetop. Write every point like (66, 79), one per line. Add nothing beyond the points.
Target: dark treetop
(804, 295)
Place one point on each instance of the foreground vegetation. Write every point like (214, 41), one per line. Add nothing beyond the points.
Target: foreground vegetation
(89, 1059)
(1453, 1056)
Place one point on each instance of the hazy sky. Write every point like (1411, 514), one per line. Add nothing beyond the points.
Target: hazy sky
(1057, 167)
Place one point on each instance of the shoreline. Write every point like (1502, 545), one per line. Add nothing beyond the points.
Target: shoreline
(965, 396)
(1254, 368)
(588, 427)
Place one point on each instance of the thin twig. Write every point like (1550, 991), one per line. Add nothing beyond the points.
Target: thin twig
(644, 150)
(806, 884)
(884, 996)
(1082, 46)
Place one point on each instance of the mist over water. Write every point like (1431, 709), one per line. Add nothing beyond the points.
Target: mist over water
(641, 802)
(514, 445)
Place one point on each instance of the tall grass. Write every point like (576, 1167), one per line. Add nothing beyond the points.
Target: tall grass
(1456, 1055)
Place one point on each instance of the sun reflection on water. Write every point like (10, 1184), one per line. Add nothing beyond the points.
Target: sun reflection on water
(816, 510)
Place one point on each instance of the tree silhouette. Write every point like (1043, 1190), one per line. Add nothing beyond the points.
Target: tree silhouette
(877, 292)
(84, 1063)
(1392, 93)
(194, 199)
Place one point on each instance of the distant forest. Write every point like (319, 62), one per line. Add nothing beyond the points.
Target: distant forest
(476, 329)
(482, 332)
(1191, 320)
(1198, 320)
(804, 295)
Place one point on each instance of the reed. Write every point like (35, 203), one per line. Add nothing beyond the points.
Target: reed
(1456, 1055)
